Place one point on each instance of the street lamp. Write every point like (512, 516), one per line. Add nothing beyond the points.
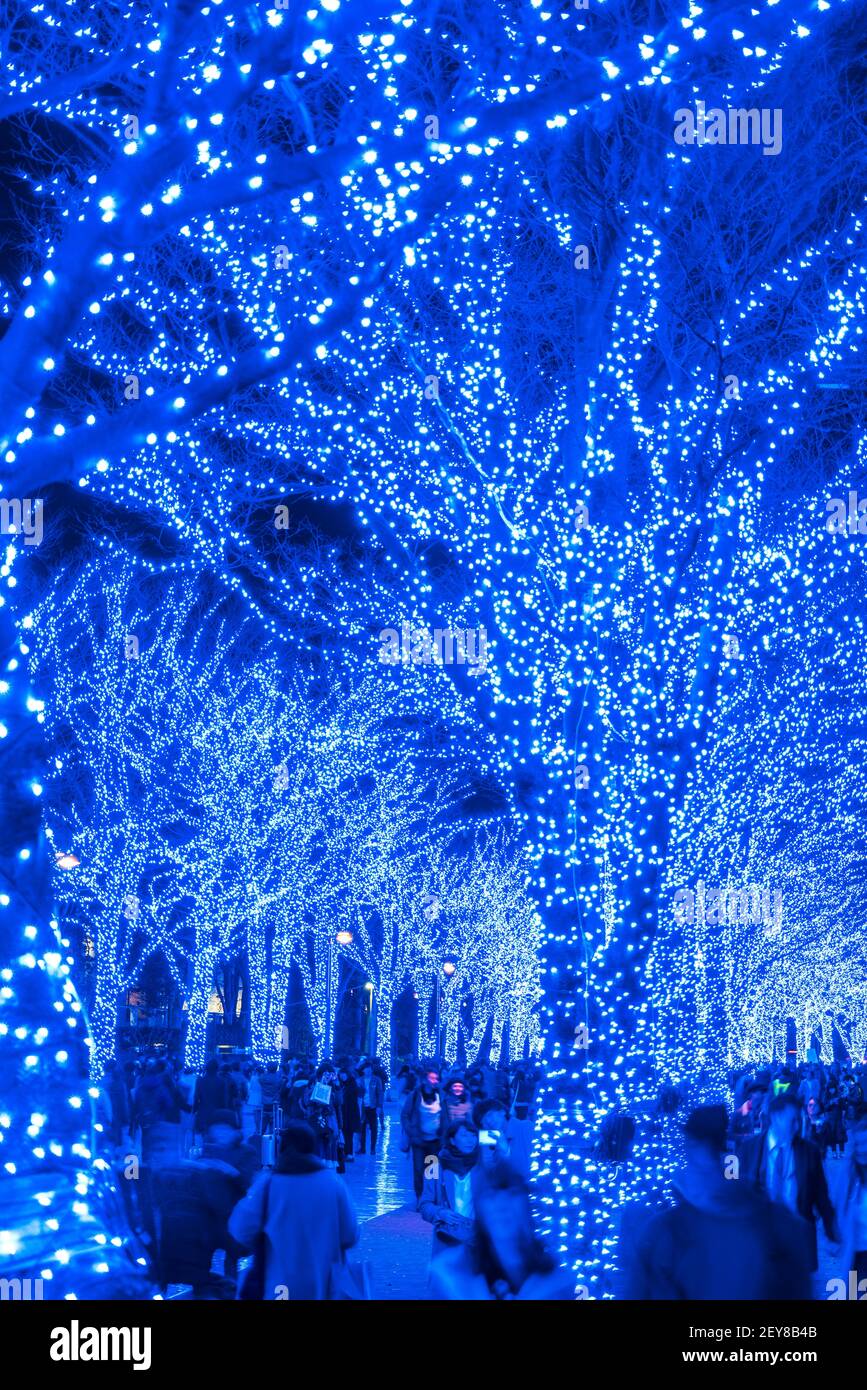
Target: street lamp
(370, 1031)
(343, 938)
(67, 860)
(448, 967)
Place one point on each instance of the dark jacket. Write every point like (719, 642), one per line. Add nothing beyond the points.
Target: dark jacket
(212, 1093)
(350, 1116)
(410, 1122)
(376, 1092)
(240, 1154)
(735, 1245)
(155, 1101)
(813, 1197)
(270, 1084)
(195, 1200)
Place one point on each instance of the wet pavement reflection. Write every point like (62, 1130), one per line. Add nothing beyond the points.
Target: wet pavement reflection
(382, 1182)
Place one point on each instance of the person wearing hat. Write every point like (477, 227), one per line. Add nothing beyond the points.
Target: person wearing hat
(722, 1239)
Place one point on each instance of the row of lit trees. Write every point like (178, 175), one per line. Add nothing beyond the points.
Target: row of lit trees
(458, 281)
(202, 807)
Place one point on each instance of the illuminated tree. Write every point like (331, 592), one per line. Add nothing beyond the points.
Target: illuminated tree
(61, 1220)
(163, 736)
(452, 271)
(493, 935)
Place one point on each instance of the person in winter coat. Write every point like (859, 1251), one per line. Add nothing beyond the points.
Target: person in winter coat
(422, 1123)
(351, 1116)
(723, 1239)
(307, 1215)
(268, 1096)
(213, 1093)
(293, 1095)
(457, 1100)
(322, 1114)
(503, 1259)
(834, 1106)
(157, 1106)
(193, 1201)
(789, 1169)
(371, 1093)
(450, 1183)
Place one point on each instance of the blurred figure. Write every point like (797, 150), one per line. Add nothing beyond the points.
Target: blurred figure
(521, 1125)
(503, 1259)
(114, 1084)
(789, 1169)
(157, 1107)
(187, 1086)
(723, 1239)
(853, 1218)
(212, 1093)
(834, 1103)
(193, 1200)
(270, 1086)
(293, 1095)
(406, 1081)
(307, 1216)
(251, 1099)
(225, 1143)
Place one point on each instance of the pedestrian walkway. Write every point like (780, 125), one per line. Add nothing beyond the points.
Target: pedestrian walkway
(381, 1183)
(394, 1238)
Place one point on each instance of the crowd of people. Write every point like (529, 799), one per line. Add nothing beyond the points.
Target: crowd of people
(754, 1189)
(239, 1172)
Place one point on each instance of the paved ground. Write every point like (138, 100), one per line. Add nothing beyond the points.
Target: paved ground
(394, 1238)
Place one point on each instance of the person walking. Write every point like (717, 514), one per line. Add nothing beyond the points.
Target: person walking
(212, 1093)
(788, 1168)
(371, 1105)
(422, 1123)
(723, 1239)
(157, 1112)
(306, 1215)
(503, 1259)
(853, 1217)
(320, 1107)
(351, 1111)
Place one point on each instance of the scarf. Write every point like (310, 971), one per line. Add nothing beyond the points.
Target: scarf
(459, 1164)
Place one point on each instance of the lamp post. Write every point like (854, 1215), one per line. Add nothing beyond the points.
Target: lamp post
(448, 968)
(343, 938)
(370, 1031)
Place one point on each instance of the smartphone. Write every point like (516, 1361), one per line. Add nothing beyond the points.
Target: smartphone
(489, 1137)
